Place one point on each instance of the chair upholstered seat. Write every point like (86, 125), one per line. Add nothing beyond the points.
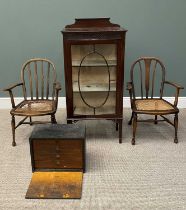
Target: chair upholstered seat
(153, 105)
(34, 108)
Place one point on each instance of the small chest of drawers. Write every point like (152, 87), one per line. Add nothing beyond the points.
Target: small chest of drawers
(58, 147)
(58, 161)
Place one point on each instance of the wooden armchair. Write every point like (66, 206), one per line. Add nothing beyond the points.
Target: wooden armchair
(40, 91)
(145, 74)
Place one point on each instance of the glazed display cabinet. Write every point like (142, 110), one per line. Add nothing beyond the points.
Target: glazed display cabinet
(94, 70)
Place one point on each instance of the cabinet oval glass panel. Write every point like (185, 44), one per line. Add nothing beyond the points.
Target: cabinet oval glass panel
(94, 69)
(90, 82)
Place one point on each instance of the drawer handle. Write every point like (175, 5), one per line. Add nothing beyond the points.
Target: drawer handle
(57, 148)
(58, 156)
(58, 162)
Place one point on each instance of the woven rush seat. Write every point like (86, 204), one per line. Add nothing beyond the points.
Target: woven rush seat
(153, 104)
(34, 108)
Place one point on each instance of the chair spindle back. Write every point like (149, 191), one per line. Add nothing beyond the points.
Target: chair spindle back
(38, 77)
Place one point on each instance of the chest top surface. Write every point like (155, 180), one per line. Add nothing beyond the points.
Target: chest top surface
(69, 131)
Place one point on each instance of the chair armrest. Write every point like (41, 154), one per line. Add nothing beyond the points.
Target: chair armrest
(9, 89)
(12, 86)
(178, 87)
(174, 84)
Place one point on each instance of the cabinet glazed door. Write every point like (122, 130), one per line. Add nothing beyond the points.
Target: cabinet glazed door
(94, 69)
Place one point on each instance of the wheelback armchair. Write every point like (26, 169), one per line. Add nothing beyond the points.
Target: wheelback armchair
(144, 74)
(40, 92)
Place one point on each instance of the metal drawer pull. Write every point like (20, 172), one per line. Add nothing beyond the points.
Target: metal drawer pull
(58, 156)
(57, 148)
(58, 162)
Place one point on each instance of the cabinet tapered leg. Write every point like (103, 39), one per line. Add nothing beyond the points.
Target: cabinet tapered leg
(13, 131)
(120, 130)
(116, 126)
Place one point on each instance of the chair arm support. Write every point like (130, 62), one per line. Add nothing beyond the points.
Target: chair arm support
(57, 87)
(13, 86)
(131, 92)
(174, 84)
(178, 87)
(9, 89)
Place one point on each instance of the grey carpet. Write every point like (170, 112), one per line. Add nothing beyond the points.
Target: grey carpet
(149, 175)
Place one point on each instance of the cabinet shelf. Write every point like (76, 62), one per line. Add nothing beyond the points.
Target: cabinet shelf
(76, 63)
(96, 87)
(89, 111)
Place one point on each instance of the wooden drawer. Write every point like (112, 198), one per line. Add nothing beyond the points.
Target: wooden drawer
(60, 147)
(58, 154)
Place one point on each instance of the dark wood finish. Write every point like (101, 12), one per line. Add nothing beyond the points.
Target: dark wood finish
(91, 23)
(40, 91)
(98, 34)
(58, 147)
(150, 104)
(54, 154)
(55, 185)
(58, 161)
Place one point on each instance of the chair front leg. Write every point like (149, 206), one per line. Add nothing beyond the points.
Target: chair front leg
(176, 128)
(134, 123)
(130, 121)
(155, 120)
(31, 121)
(13, 130)
(53, 119)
